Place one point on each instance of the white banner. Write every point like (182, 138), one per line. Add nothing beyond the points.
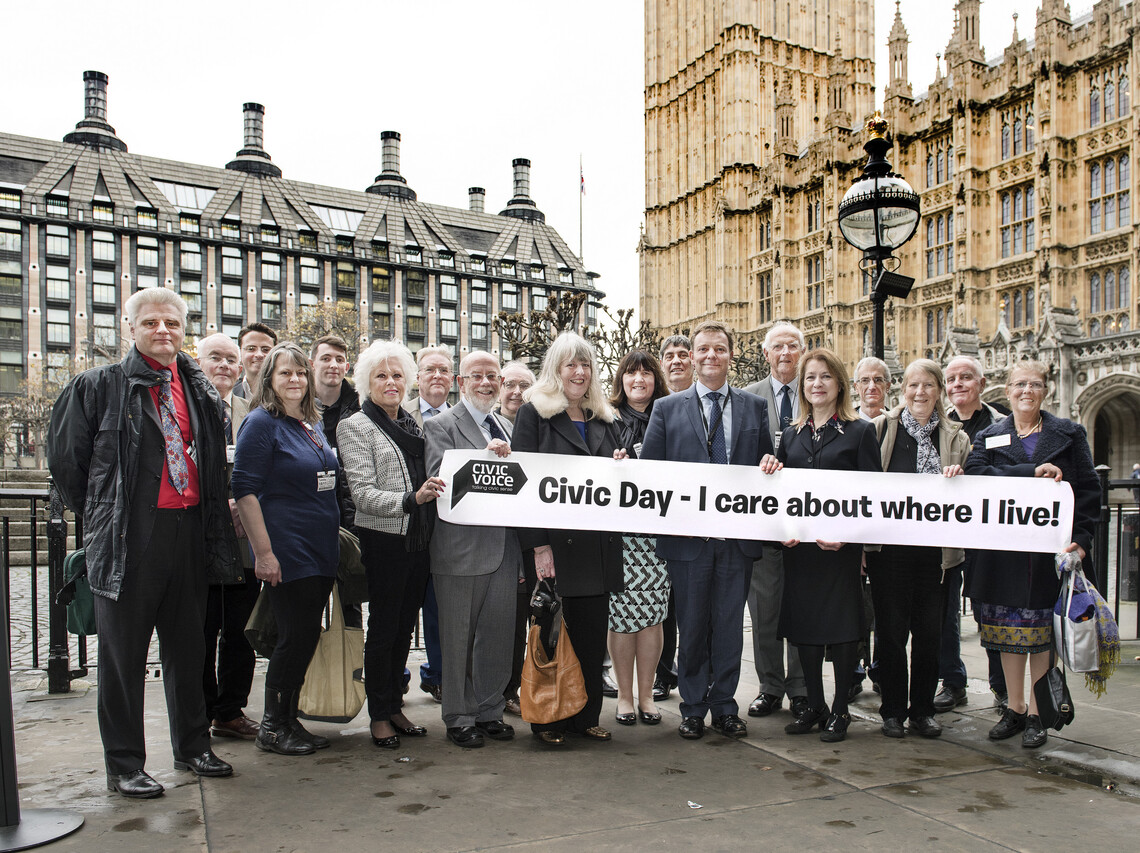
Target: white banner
(738, 502)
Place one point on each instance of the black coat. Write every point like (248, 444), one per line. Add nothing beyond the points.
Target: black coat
(586, 562)
(823, 592)
(106, 453)
(1017, 578)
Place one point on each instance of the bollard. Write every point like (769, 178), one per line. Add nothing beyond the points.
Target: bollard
(59, 663)
(1099, 565)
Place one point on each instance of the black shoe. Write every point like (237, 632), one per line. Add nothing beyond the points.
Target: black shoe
(661, 690)
(691, 728)
(1010, 724)
(206, 764)
(609, 688)
(629, 719)
(893, 727)
(390, 742)
(432, 690)
(276, 733)
(807, 720)
(1035, 734)
(855, 689)
(763, 705)
(730, 725)
(316, 741)
(799, 704)
(467, 737)
(949, 698)
(927, 727)
(410, 731)
(835, 729)
(138, 785)
(496, 729)
(647, 718)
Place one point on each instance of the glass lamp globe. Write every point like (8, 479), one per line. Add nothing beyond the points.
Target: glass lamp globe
(879, 212)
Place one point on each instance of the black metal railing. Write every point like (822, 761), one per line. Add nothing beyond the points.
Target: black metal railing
(1117, 552)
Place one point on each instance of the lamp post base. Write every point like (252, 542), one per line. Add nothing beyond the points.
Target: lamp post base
(38, 827)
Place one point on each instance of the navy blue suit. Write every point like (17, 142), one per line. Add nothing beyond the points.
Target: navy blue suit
(710, 576)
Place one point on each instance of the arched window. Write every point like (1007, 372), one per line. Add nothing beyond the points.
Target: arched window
(950, 162)
(940, 165)
(1110, 175)
(866, 338)
(1028, 202)
(1094, 293)
(1124, 171)
(1123, 324)
(1005, 141)
(1017, 308)
(941, 325)
(930, 170)
(1005, 208)
(930, 327)
(1094, 329)
(1109, 290)
(1030, 141)
(1029, 306)
(1094, 180)
(1109, 101)
(1124, 287)
(1122, 96)
(1094, 107)
(1016, 136)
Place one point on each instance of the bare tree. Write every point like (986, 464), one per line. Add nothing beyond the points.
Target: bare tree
(529, 336)
(329, 318)
(615, 339)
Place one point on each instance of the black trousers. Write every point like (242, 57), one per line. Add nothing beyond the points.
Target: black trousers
(396, 584)
(298, 607)
(910, 600)
(166, 592)
(518, 651)
(228, 674)
(667, 665)
(586, 619)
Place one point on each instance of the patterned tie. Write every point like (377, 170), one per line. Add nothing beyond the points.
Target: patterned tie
(175, 450)
(431, 413)
(227, 422)
(785, 407)
(494, 429)
(718, 453)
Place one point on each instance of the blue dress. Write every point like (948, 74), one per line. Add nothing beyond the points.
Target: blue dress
(278, 460)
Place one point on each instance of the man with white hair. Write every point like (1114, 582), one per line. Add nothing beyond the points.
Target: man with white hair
(783, 348)
(137, 448)
(965, 381)
(872, 381)
(475, 571)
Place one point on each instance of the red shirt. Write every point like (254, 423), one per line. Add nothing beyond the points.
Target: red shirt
(168, 497)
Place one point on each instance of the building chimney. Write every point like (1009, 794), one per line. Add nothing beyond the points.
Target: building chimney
(476, 196)
(252, 157)
(521, 205)
(94, 131)
(390, 182)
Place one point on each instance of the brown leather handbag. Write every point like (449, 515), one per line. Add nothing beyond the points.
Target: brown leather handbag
(552, 686)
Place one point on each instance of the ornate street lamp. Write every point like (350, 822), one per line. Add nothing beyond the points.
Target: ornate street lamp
(877, 215)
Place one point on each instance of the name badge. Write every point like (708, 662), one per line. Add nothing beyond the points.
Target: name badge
(997, 441)
(326, 480)
(230, 454)
(192, 452)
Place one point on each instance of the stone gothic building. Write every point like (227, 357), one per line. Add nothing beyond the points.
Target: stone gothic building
(1023, 162)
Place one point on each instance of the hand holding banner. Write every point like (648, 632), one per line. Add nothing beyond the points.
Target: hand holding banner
(738, 502)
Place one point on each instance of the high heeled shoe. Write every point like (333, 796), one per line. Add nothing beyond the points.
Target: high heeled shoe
(807, 720)
(835, 729)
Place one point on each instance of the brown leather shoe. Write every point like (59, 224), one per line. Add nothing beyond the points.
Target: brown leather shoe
(239, 727)
(512, 707)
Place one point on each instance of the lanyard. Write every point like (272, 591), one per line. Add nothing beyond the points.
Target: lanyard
(318, 444)
(711, 431)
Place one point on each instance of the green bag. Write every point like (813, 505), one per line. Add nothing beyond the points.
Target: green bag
(350, 572)
(77, 595)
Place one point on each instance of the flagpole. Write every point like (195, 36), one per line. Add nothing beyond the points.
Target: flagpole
(581, 193)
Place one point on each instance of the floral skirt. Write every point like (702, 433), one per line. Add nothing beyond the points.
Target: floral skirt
(1016, 630)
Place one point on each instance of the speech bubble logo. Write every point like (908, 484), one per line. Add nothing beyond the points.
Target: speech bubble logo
(487, 477)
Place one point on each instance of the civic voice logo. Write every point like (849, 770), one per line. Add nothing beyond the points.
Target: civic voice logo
(487, 477)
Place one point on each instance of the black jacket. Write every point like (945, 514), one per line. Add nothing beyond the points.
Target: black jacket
(1018, 578)
(348, 403)
(106, 452)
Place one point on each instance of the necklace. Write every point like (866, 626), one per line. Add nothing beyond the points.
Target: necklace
(1032, 429)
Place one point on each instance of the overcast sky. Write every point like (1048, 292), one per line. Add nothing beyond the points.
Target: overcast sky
(469, 85)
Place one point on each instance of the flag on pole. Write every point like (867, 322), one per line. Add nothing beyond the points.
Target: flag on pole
(582, 178)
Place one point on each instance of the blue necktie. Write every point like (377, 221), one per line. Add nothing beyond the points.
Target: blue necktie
(494, 428)
(718, 453)
(785, 407)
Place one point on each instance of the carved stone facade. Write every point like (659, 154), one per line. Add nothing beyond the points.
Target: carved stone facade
(1024, 163)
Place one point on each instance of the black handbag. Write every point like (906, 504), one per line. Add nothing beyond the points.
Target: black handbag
(1054, 704)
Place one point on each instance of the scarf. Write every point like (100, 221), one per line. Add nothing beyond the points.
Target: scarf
(632, 428)
(407, 435)
(929, 461)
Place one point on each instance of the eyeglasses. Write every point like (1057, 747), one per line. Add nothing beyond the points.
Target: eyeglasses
(520, 384)
(477, 378)
(867, 380)
(442, 371)
(1036, 385)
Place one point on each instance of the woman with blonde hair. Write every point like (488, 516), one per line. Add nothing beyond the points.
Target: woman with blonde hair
(566, 412)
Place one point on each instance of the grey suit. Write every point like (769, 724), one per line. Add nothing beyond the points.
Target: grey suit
(475, 571)
(764, 596)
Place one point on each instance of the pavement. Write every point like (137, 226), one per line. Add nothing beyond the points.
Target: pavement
(646, 789)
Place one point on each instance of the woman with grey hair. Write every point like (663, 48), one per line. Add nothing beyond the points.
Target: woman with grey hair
(568, 413)
(383, 453)
(906, 580)
(284, 482)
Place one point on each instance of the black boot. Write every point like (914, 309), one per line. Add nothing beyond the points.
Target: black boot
(300, 731)
(276, 734)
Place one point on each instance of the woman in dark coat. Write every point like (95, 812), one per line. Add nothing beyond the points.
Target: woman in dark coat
(1014, 591)
(822, 604)
(567, 413)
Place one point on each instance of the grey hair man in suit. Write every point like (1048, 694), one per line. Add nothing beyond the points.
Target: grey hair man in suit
(783, 347)
(475, 571)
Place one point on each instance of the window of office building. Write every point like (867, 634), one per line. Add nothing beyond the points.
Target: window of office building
(147, 218)
(381, 284)
(1110, 201)
(379, 250)
(58, 326)
(538, 299)
(1018, 233)
(56, 206)
(537, 272)
(448, 289)
(58, 285)
(307, 240)
(478, 263)
(310, 271)
(939, 161)
(416, 319)
(103, 246)
(105, 330)
(9, 199)
(190, 256)
(344, 245)
(1110, 289)
(346, 279)
(103, 290)
(565, 276)
(191, 290)
(11, 324)
(940, 244)
(448, 322)
(415, 285)
(11, 372)
(58, 242)
(270, 267)
(308, 297)
(447, 260)
(509, 297)
(414, 254)
(189, 224)
(232, 304)
(507, 267)
(103, 212)
(146, 252)
(231, 229)
(270, 304)
(231, 261)
(270, 235)
(1017, 131)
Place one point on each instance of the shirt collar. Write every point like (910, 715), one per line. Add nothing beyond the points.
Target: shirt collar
(703, 390)
(425, 406)
(478, 416)
(778, 386)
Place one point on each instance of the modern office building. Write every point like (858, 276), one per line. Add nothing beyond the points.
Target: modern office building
(754, 115)
(84, 223)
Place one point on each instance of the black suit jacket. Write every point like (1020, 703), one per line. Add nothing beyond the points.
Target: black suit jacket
(586, 562)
